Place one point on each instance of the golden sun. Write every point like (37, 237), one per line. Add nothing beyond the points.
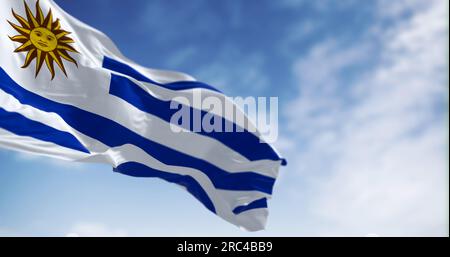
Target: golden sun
(43, 40)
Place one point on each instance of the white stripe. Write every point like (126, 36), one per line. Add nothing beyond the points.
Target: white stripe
(34, 146)
(10, 104)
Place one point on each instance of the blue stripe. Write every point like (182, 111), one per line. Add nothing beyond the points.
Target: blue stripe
(261, 203)
(113, 134)
(139, 170)
(22, 126)
(245, 143)
(117, 66)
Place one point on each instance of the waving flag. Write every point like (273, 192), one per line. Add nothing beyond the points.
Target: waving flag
(67, 92)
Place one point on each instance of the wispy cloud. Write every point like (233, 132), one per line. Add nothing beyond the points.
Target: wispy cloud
(374, 143)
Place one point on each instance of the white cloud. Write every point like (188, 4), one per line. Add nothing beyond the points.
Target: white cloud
(375, 148)
(94, 230)
(397, 8)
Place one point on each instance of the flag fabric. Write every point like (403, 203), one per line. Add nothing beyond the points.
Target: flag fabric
(67, 92)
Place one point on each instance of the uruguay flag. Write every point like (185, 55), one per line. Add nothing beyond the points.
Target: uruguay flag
(67, 92)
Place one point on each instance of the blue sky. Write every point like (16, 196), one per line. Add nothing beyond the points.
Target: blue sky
(363, 94)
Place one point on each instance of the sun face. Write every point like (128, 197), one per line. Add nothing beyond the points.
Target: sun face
(43, 40)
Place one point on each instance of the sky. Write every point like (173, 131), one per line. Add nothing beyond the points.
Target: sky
(363, 119)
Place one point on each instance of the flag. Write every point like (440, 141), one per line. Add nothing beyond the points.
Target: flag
(67, 92)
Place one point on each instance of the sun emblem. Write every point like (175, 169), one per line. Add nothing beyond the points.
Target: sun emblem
(43, 40)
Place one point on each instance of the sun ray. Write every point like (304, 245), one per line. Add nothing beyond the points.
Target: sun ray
(48, 20)
(56, 25)
(19, 38)
(58, 61)
(43, 40)
(66, 56)
(39, 14)
(67, 48)
(21, 20)
(61, 33)
(31, 19)
(23, 47)
(49, 63)
(39, 61)
(66, 40)
(19, 29)
(55, 58)
(30, 57)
